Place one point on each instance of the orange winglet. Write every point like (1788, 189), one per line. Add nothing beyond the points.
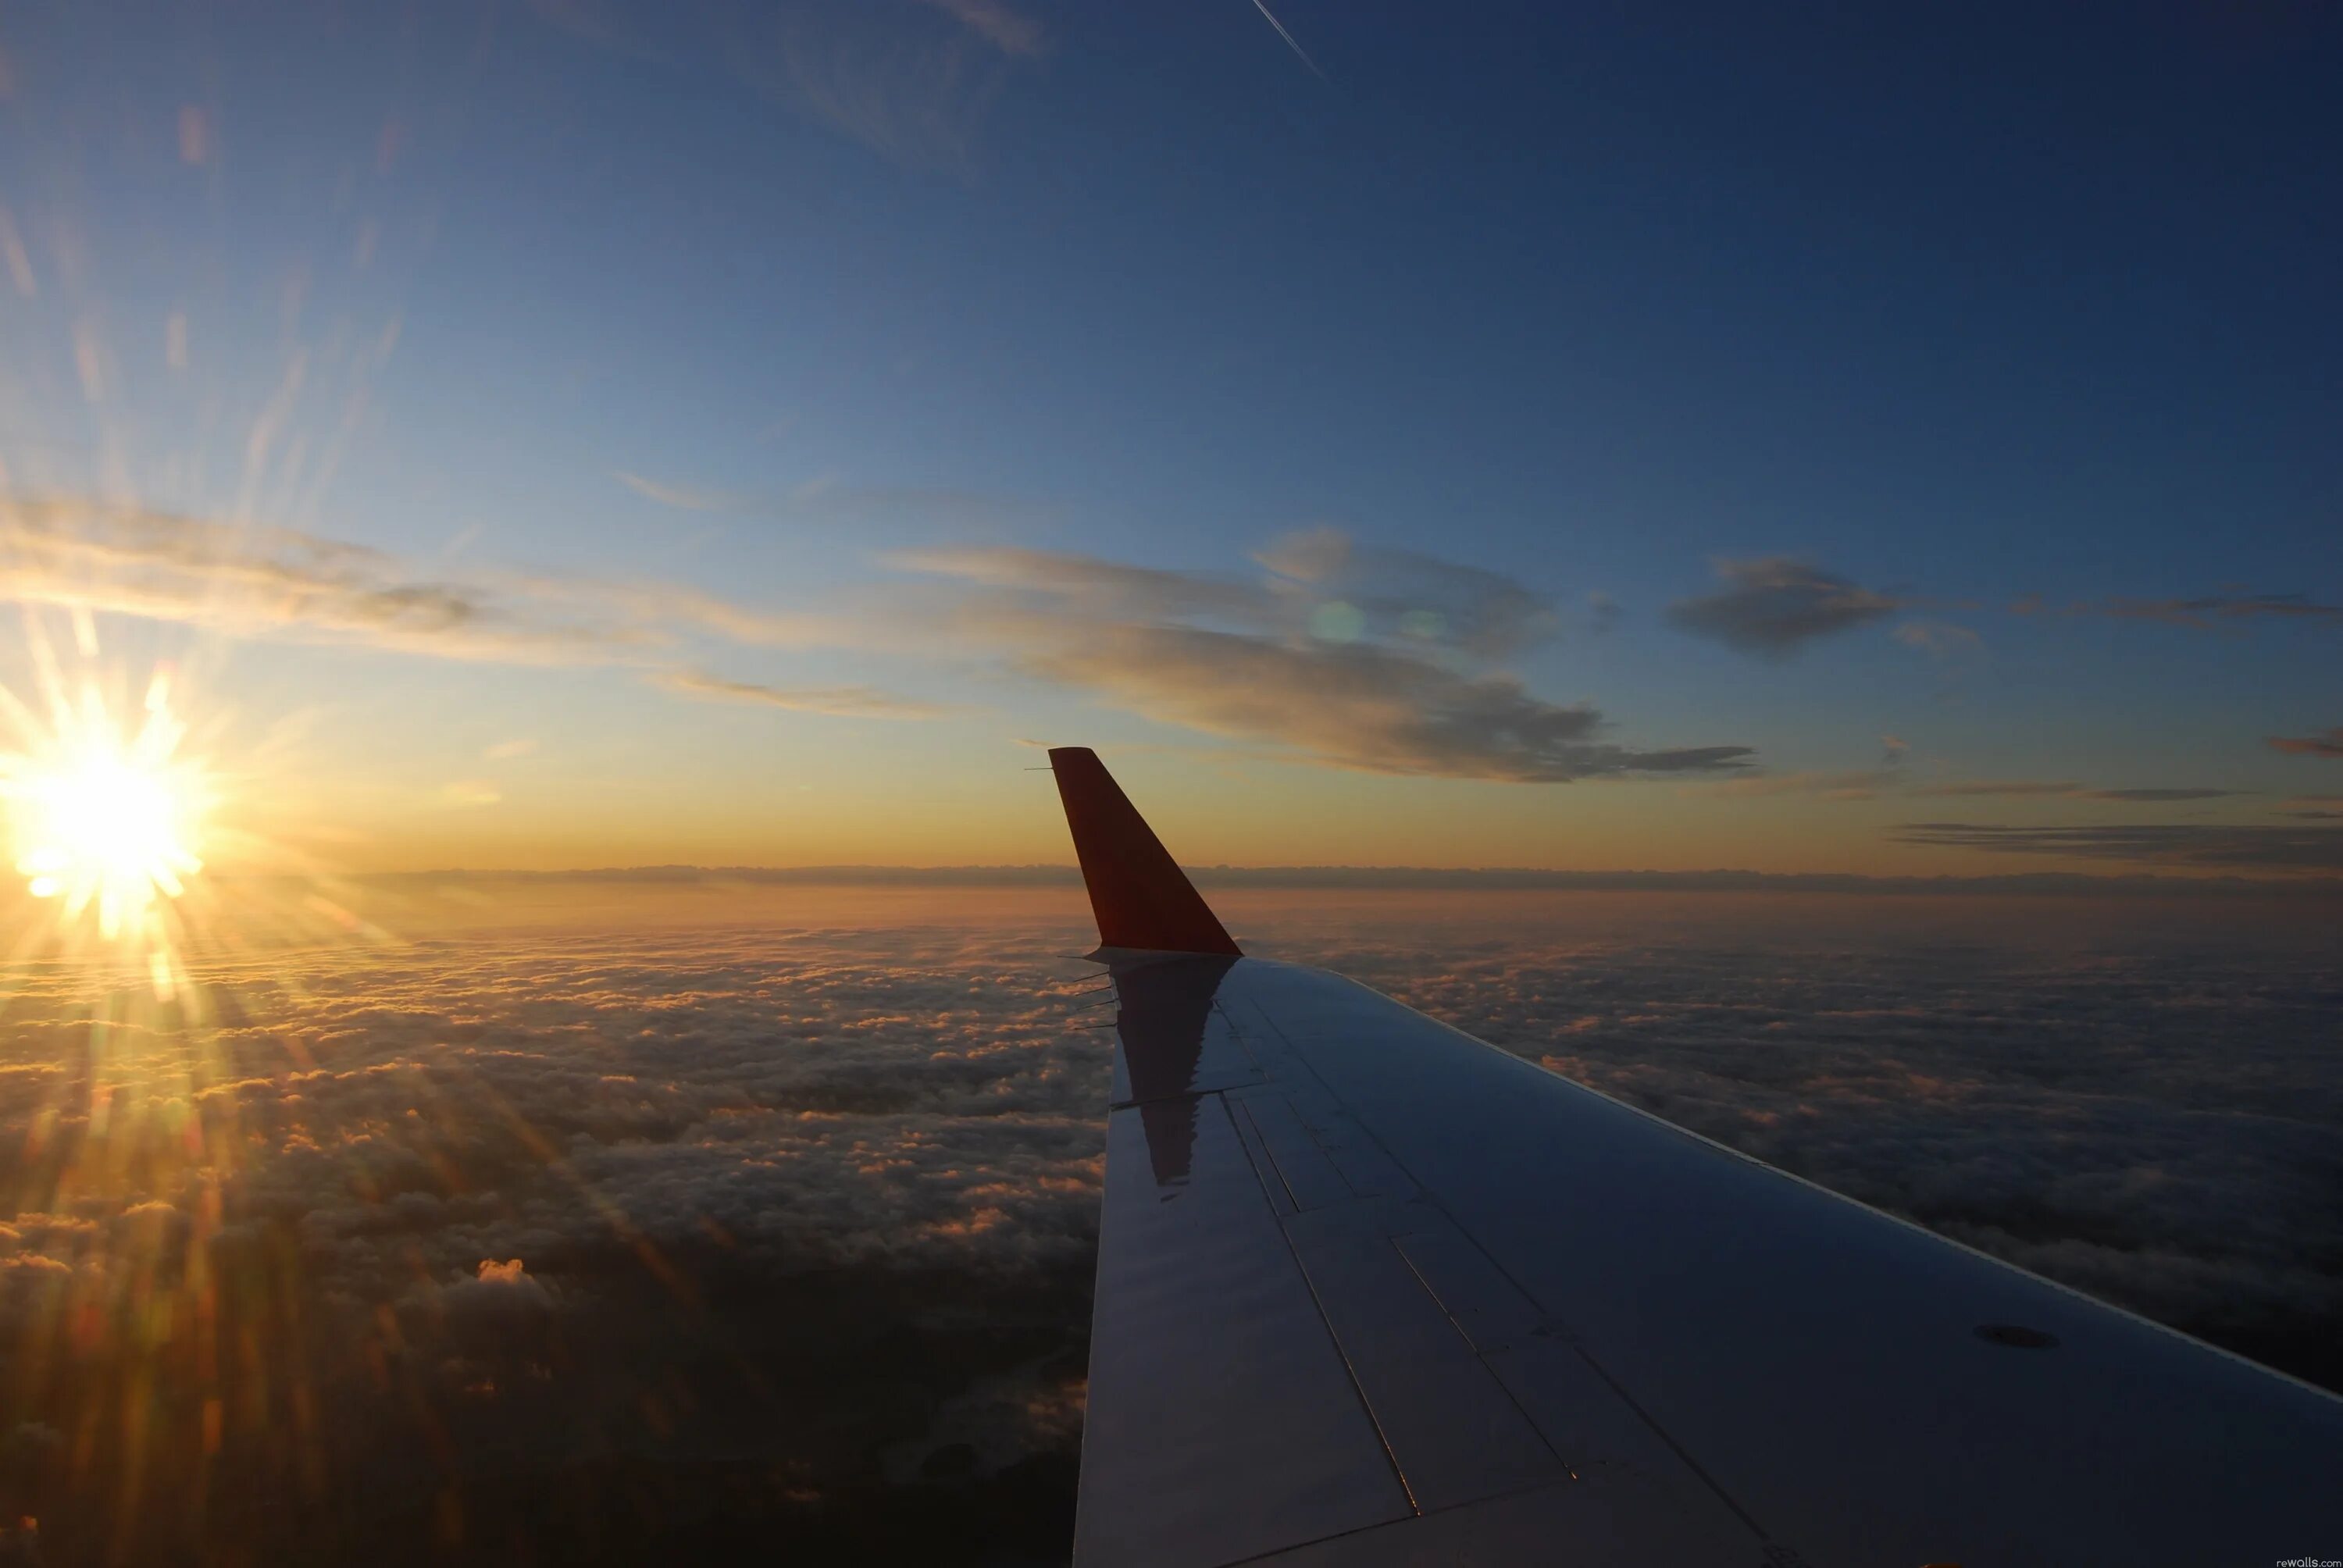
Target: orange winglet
(1140, 897)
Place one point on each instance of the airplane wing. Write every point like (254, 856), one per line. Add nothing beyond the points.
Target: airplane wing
(1370, 1292)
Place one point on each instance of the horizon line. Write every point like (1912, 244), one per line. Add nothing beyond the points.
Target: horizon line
(1407, 879)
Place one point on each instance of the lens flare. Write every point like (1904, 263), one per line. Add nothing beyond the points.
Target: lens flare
(107, 813)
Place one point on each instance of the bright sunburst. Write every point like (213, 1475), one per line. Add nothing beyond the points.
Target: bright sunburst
(106, 812)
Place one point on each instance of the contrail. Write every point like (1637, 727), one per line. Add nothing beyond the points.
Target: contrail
(1298, 52)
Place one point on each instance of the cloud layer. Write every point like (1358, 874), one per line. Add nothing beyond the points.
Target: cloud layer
(767, 1218)
(588, 1211)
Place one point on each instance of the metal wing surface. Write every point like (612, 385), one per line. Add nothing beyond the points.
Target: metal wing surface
(1370, 1292)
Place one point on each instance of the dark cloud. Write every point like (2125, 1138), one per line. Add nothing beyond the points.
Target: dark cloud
(1863, 784)
(2200, 614)
(1890, 777)
(1386, 682)
(1775, 606)
(2326, 743)
(2058, 790)
(1356, 706)
(2158, 796)
(2169, 843)
(2020, 787)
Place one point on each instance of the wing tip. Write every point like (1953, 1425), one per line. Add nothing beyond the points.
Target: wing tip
(1142, 900)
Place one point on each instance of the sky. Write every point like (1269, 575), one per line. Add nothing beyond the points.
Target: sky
(575, 433)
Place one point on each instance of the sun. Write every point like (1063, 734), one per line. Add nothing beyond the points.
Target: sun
(108, 817)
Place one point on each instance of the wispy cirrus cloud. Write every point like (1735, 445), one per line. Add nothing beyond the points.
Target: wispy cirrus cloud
(914, 83)
(1773, 606)
(838, 701)
(1941, 640)
(683, 497)
(826, 500)
(252, 581)
(1100, 588)
(912, 80)
(275, 584)
(1008, 31)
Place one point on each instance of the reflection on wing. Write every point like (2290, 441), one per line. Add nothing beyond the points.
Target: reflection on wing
(1165, 1060)
(1370, 1292)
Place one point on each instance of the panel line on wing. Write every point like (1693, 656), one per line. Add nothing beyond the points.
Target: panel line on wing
(1446, 1512)
(1313, 1180)
(1212, 1366)
(1294, 1055)
(1272, 1179)
(1366, 1406)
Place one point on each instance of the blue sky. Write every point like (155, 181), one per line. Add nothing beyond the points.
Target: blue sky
(1948, 309)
